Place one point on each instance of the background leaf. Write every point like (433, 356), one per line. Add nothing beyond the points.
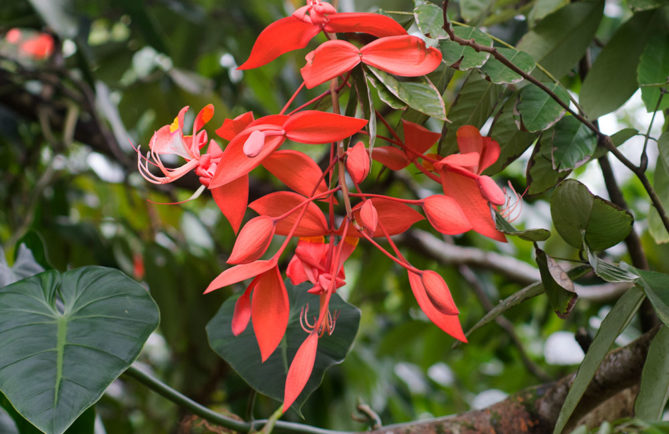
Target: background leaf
(538, 110)
(654, 389)
(655, 286)
(653, 69)
(243, 354)
(614, 323)
(499, 73)
(66, 338)
(462, 57)
(573, 144)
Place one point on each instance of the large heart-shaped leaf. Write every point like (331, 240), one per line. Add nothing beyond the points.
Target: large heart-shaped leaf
(269, 378)
(66, 337)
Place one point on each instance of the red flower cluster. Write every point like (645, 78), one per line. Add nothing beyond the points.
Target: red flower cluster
(31, 44)
(325, 242)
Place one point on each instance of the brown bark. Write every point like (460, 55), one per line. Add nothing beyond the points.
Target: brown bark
(535, 410)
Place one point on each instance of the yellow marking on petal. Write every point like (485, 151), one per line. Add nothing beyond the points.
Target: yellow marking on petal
(352, 240)
(315, 239)
(175, 125)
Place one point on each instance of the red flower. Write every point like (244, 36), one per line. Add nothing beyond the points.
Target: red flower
(404, 55)
(461, 179)
(295, 32)
(417, 140)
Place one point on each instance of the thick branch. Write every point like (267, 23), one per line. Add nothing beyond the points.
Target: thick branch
(535, 410)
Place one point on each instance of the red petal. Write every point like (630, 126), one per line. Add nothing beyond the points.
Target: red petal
(329, 60)
(369, 216)
(203, 117)
(297, 171)
(300, 370)
(234, 163)
(232, 127)
(392, 158)
(395, 217)
(469, 139)
(418, 138)
(448, 323)
(466, 162)
(445, 215)
(374, 24)
(253, 240)
(357, 162)
(490, 190)
(467, 194)
(295, 271)
(404, 55)
(438, 293)
(270, 311)
(242, 312)
(240, 272)
(282, 36)
(232, 199)
(316, 127)
(275, 204)
(490, 153)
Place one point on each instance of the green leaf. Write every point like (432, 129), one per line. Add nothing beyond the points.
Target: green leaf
(607, 271)
(542, 8)
(557, 284)
(418, 93)
(473, 106)
(573, 144)
(559, 41)
(34, 242)
(540, 173)
(654, 389)
(577, 213)
(365, 99)
(512, 140)
(653, 70)
(472, 9)
(243, 354)
(538, 110)
(613, 76)
(499, 73)
(24, 266)
(429, 19)
(384, 94)
(661, 185)
(462, 57)
(656, 287)
(640, 5)
(614, 323)
(527, 235)
(623, 135)
(66, 337)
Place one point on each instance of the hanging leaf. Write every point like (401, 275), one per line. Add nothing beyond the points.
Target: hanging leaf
(527, 235)
(653, 72)
(418, 93)
(578, 215)
(462, 57)
(655, 286)
(384, 94)
(607, 271)
(654, 389)
(613, 76)
(557, 284)
(614, 323)
(538, 110)
(559, 41)
(661, 185)
(472, 9)
(269, 378)
(499, 73)
(542, 8)
(573, 144)
(66, 337)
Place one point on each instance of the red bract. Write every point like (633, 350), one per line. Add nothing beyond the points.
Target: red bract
(313, 262)
(404, 55)
(357, 162)
(300, 369)
(417, 140)
(295, 169)
(369, 216)
(461, 179)
(395, 217)
(295, 32)
(445, 215)
(448, 323)
(286, 207)
(253, 240)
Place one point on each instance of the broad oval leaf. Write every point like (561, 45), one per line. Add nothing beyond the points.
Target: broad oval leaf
(560, 39)
(269, 378)
(541, 175)
(653, 72)
(512, 140)
(613, 76)
(538, 110)
(429, 19)
(573, 144)
(418, 93)
(499, 73)
(66, 337)
(462, 57)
